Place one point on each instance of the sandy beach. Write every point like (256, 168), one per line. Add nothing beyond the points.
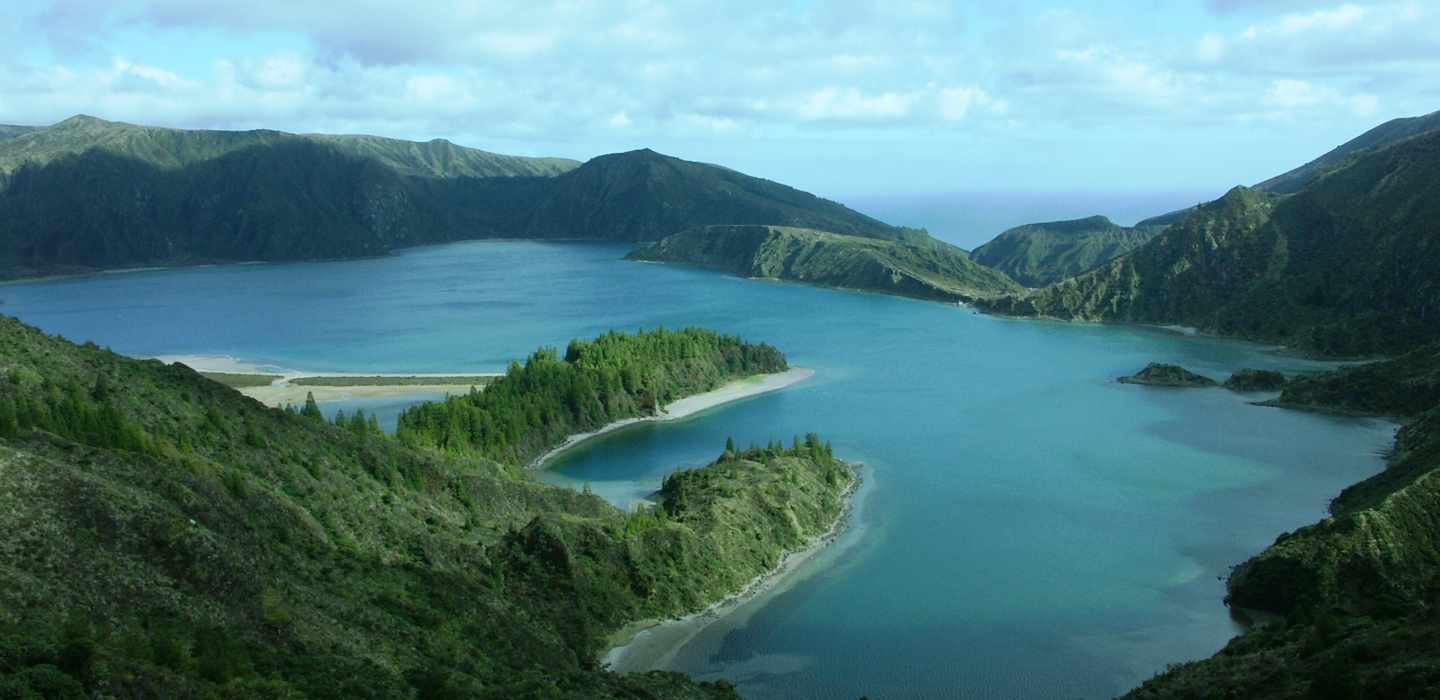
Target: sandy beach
(691, 405)
(282, 390)
(652, 644)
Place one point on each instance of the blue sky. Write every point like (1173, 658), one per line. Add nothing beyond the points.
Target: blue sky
(841, 98)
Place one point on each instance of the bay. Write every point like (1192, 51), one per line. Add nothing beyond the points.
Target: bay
(1030, 528)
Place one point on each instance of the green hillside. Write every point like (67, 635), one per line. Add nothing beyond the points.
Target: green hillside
(1037, 255)
(1346, 266)
(1393, 131)
(168, 537)
(925, 268)
(645, 196)
(87, 194)
(174, 148)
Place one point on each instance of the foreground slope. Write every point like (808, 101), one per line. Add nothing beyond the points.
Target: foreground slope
(1036, 255)
(925, 269)
(1345, 266)
(166, 536)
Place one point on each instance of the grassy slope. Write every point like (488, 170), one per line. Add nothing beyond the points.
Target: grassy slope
(1359, 592)
(88, 194)
(173, 148)
(1390, 132)
(1037, 255)
(249, 550)
(1342, 267)
(644, 196)
(927, 270)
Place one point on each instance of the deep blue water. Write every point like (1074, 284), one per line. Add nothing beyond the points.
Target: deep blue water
(1030, 527)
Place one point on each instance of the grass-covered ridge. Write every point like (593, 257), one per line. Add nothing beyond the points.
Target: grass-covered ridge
(166, 536)
(1346, 266)
(88, 194)
(1037, 255)
(537, 405)
(923, 268)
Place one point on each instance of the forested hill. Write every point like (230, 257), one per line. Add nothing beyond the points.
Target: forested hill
(924, 269)
(88, 194)
(537, 405)
(1346, 266)
(175, 148)
(167, 537)
(644, 196)
(1036, 255)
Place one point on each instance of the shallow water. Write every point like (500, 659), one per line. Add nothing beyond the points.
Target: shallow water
(1033, 529)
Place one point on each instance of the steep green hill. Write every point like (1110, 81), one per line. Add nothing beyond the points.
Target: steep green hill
(1346, 266)
(926, 268)
(168, 537)
(1393, 131)
(10, 131)
(174, 148)
(645, 196)
(88, 194)
(1037, 255)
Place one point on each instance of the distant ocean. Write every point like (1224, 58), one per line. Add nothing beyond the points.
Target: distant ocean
(969, 219)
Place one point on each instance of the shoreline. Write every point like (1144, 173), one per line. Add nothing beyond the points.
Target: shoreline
(282, 390)
(754, 385)
(651, 645)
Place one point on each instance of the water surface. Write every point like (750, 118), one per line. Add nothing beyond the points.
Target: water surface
(1032, 529)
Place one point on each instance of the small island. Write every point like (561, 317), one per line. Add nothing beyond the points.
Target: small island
(1255, 380)
(1160, 374)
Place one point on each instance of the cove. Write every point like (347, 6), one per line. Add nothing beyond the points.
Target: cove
(1031, 529)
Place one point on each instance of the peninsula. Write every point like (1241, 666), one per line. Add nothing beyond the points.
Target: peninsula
(288, 556)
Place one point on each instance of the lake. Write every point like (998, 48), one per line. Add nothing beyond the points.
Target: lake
(1029, 527)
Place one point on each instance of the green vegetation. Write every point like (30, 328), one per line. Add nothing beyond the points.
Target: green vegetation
(1405, 386)
(1158, 374)
(1391, 132)
(1037, 255)
(457, 380)
(87, 194)
(1344, 267)
(922, 268)
(1358, 592)
(177, 148)
(535, 406)
(241, 381)
(1252, 380)
(175, 539)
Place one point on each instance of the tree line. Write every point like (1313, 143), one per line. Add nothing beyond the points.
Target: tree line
(535, 406)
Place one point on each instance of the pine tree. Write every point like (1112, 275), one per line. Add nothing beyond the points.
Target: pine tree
(312, 409)
(101, 391)
(9, 420)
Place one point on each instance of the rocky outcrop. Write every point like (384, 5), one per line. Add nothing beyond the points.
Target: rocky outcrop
(1159, 374)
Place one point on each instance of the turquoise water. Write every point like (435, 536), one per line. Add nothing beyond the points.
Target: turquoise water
(1031, 528)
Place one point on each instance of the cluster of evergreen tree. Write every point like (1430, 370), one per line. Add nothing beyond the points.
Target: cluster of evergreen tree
(357, 422)
(83, 414)
(537, 405)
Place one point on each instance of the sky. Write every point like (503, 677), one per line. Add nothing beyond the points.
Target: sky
(854, 97)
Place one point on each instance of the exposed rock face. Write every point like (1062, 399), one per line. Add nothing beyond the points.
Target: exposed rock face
(1159, 374)
(1248, 380)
